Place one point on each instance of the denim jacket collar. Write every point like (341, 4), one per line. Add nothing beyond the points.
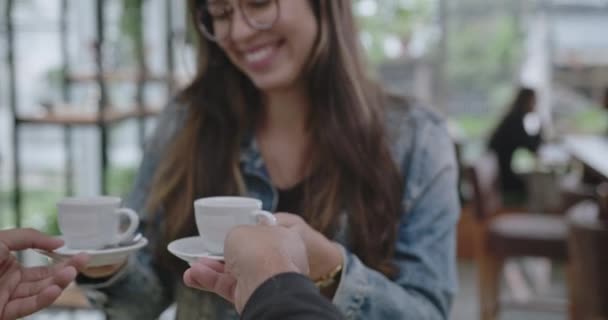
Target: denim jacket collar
(251, 158)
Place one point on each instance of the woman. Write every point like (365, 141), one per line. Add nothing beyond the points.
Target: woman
(519, 128)
(282, 110)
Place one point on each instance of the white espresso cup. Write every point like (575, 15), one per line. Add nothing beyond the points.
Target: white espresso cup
(215, 217)
(94, 222)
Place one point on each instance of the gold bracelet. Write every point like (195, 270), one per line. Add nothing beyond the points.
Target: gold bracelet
(328, 279)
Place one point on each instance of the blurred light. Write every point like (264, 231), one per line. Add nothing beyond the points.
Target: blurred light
(407, 4)
(367, 39)
(393, 48)
(532, 123)
(421, 39)
(367, 8)
(593, 3)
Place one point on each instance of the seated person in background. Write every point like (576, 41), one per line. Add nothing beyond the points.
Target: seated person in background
(520, 128)
(264, 276)
(24, 291)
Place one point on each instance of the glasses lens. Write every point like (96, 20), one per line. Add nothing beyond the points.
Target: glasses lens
(215, 17)
(260, 14)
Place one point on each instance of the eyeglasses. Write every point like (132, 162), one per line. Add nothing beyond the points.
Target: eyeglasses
(215, 16)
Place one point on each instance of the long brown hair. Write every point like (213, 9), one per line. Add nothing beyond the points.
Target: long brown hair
(351, 166)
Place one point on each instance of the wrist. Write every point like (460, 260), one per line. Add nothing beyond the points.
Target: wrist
(267, 265)
(332, 269)
(259, 273)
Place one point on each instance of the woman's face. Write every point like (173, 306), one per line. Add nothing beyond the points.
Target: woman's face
(273, 58)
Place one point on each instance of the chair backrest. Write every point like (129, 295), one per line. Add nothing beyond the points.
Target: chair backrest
(484, 175)
(602, 200)
(587, 243)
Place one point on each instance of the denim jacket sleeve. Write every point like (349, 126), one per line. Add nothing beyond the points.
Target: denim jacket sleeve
(425, 250)
(138, 291)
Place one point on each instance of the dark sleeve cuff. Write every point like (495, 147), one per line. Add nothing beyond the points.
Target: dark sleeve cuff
(289, 296)
(279, 285)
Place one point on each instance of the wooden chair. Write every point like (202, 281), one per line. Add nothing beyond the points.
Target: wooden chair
(573, 190)
(502, 234)
(588, 247)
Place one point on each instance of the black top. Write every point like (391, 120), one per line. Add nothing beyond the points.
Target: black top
(289, 296)
(508, 137)
(290, 200)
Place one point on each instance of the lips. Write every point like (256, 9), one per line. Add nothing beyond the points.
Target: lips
(261, 57)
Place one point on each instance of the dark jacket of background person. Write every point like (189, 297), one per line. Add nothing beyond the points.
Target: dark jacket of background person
(605, 102)
(511, 135)
(289, 296)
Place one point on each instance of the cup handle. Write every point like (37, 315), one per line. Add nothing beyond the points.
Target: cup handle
(264, 217)
(133, 224)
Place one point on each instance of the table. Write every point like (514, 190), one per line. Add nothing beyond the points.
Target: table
(592, 151)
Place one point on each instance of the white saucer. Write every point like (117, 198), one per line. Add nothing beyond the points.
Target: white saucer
(191, 249)
(98, 258)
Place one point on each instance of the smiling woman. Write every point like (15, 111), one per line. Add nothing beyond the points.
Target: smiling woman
(274, 59)
(282, 109)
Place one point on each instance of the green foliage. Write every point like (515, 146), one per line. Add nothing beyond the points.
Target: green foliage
(483, 53)
(132, 28)
(39, 205)
(54, 77)
(6, 218)
(474, 125)
(591, 120)
(120, 180)
(393, 18)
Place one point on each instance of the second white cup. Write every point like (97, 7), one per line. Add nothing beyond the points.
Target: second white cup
(215, 217)
(94, 222)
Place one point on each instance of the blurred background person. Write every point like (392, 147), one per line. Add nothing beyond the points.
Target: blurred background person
(605, 102)
(519, 128)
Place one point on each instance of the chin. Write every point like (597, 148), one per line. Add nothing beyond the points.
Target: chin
(272, 83)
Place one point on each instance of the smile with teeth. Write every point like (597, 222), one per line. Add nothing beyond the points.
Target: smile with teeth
(260, 54)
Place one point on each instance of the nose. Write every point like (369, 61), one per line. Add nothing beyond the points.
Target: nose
(240, 29)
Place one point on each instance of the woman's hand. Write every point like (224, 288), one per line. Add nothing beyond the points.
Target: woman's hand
(323, 255)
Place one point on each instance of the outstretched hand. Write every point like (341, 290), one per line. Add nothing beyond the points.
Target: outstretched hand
(23, 290)
(253, 255)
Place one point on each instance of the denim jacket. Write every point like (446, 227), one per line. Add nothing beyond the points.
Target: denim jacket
(425, 249)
